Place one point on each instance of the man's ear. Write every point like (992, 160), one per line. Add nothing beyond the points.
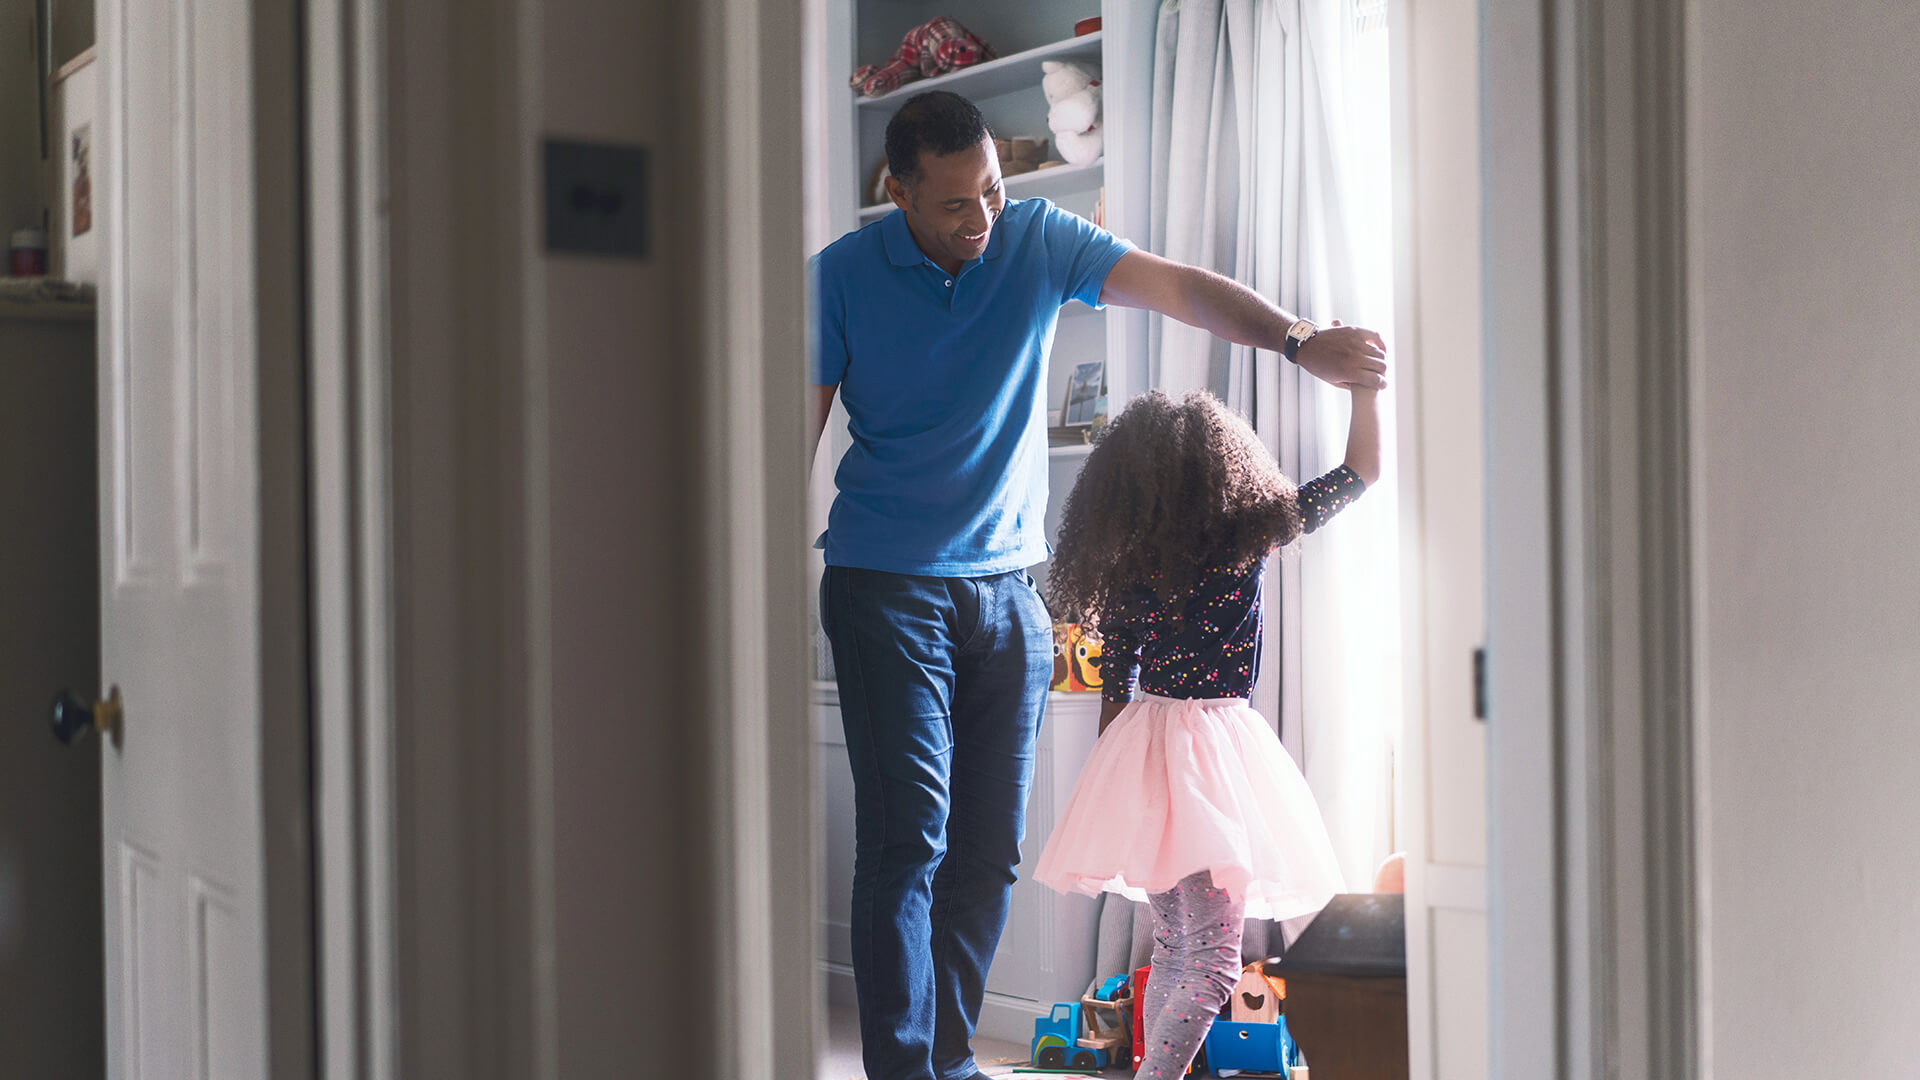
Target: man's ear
(898, 192)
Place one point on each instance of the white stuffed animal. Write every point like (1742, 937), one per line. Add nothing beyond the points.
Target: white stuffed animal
(1073, 99)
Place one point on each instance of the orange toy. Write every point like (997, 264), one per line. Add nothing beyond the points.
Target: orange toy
(1076, 657)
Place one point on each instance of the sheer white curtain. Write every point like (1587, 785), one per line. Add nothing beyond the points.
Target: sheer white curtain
(1270, 138)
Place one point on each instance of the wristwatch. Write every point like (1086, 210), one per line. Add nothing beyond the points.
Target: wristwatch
(1297, 335)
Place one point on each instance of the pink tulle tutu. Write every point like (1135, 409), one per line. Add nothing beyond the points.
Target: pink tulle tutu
(1179, 786)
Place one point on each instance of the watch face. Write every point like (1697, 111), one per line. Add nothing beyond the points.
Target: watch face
(1302, 330)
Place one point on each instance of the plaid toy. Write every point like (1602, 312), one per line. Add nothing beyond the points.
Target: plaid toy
(936, 48)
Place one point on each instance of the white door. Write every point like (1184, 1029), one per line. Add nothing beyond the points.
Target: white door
(194, 446)
(1443, 777)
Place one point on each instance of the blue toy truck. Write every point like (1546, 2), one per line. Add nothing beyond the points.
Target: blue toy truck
(1055, 1039)
(1091, 1033)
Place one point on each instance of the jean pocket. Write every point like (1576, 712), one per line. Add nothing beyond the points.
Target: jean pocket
(1039, 595)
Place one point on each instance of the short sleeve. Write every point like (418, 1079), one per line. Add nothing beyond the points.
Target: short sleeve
(1080, 253)
(1325, 496)
(1120, 645)
(829, 361)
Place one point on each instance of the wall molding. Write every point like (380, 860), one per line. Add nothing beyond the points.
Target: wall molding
(1593, 924)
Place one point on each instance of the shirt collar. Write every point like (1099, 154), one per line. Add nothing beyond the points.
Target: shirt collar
(903, 251)
(993, 238)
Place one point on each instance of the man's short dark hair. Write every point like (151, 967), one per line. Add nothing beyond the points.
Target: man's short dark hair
(938, 120)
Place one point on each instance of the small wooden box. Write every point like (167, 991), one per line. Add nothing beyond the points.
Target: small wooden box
(1347, 989)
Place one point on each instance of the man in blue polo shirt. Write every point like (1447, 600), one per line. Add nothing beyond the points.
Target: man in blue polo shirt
(933, 324)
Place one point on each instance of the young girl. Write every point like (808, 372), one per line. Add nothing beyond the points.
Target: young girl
(1188, 799)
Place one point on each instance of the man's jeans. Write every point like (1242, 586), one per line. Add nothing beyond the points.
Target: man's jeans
(942, 685)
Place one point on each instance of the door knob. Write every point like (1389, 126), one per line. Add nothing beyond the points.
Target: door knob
(72, 719)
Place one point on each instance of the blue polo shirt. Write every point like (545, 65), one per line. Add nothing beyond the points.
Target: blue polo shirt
(944, 379)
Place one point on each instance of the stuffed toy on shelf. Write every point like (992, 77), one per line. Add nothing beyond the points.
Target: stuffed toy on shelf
(1076, 657)
(1021, 155)
(932, 48)
(1073, 110)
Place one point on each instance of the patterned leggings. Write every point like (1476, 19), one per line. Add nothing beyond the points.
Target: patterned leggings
(1196, 962)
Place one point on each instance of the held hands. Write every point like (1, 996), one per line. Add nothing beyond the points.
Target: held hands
(1346, 356)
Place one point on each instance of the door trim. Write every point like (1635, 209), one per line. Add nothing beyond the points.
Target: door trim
(762, 777)
(1593, 857)
(430, 416)
(285, 641)
(427, 806)
(350, 548)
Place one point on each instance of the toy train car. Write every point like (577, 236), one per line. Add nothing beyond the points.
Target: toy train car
(1199, 1066)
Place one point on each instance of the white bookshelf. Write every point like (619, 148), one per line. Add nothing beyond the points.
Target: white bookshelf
(1046, 952)
(995, 77)
(1052, 183)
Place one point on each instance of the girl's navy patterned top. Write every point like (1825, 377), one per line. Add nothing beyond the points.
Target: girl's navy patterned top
(1214, 651)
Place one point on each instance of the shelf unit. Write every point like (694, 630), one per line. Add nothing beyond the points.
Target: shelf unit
(1053, 183)
(996, 77)
(1046, 953)
(1007, 89)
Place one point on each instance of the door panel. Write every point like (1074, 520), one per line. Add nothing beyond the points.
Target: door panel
(1443, 791)
(1460, 1016)
(182, 805)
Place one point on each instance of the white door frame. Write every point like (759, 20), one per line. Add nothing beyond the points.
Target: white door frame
(351, 553)
(439, 824)
(1593, 876)
(429, 420)
(427, 758)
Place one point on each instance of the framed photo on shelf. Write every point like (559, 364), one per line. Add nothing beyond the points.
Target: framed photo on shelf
(1083, 394)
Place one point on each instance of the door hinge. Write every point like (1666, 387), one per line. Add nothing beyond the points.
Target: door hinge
(1480, 684)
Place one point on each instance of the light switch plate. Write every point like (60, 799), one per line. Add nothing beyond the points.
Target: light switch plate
(597, 199)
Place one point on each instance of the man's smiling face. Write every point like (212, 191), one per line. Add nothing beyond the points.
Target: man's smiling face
(951, 206)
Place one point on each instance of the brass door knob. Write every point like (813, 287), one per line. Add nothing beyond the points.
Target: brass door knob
(72, 719)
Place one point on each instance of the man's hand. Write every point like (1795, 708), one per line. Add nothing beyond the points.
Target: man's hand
(1346, 356)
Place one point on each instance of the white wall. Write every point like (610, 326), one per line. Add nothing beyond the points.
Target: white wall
(1805, 160)
(621, 443)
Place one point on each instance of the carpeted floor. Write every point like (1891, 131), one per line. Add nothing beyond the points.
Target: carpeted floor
(843, 1050)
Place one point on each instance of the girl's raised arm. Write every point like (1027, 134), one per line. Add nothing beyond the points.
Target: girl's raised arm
(1363, 436)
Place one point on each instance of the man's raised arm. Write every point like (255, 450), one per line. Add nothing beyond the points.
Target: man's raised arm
(1341, 355)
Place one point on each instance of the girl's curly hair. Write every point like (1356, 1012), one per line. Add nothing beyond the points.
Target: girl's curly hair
(1170, 488)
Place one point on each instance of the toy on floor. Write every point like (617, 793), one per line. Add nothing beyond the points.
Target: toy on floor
(1250, 1035)
(1055, 1039)
(1091, 1033)
(1138, 1049)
